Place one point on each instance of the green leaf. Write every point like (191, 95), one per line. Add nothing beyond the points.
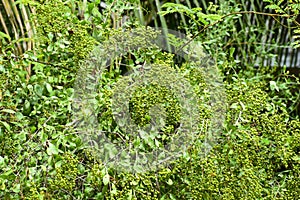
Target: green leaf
(296, 158)
(22, 136)
(170, 182)
(114, 189)
(52, 149)
(6, 174)
(19, 115)
(38, 89)
(232, 50)
(16, 188)
(172, 197)
(3, 35)
(265, 141)
(129, 194)
(106, 179)
(48, 87)
(8, 111)
(173, 7)
(274, 86)
(26, 107)
(202, 18)
(2, 161)
(213, 17)
(234, 105)
(6, 125)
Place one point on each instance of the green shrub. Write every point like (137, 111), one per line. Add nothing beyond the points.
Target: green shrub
(41, 157)
(63, 39)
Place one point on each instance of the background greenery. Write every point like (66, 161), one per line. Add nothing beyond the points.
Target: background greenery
(42, 43)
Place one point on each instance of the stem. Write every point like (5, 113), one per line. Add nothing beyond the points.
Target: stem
(227, 15)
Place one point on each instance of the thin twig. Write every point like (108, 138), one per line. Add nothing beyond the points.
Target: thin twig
(227, 15)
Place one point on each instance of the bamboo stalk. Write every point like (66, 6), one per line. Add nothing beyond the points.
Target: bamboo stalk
(84, 4)
(13, 22)
(31, 10)
(163, 23)
(153, 10)
(18, 19)
(139, 14)
(181, 14)
(3, 24)
(30, 36)
(28, 26)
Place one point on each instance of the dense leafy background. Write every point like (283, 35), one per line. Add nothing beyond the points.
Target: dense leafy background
(41, 157)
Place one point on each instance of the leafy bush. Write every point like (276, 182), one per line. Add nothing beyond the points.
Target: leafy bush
(257, 154)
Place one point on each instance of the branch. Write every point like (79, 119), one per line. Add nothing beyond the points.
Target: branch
(227, 15)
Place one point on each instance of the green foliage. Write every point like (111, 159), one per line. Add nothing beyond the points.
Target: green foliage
(41, 157)
(191, 13)
(61, 35)
(228, 31)
(291, 10)
(146, 97)
(66, 172)
(16, 28)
